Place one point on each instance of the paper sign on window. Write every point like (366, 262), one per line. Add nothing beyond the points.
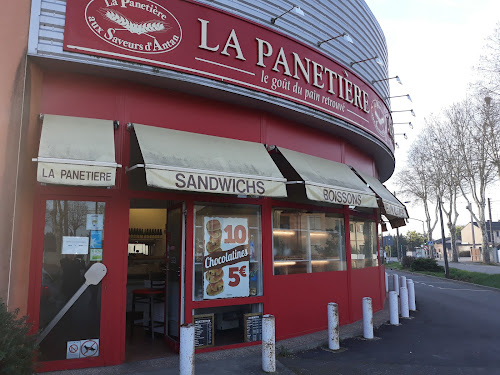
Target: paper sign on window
(75, 245)
(95, 222)
(226, 258)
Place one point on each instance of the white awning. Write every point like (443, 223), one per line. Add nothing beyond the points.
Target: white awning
(392, 206)
(76, 151)
(329, 181)
(186, 161)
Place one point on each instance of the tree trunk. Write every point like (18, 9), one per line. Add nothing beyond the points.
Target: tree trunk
(485, 248)
(453, 235)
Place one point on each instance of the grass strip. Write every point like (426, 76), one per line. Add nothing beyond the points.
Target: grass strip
(394, 265)
(478, 278)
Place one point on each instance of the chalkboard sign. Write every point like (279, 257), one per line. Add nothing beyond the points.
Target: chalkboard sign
(203, 330)
(253, 327)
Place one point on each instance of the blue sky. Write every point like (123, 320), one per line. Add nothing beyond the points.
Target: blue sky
(433, 47)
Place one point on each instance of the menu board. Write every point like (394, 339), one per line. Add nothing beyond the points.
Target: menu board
(203, 330)
(253, 327)
(226, 259)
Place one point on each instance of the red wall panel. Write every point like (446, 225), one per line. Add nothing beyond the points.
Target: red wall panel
(191, 113)
(357, 159)
(81, 96)
(300, 301)
(94, 97)
(300, 138)
(365, 282)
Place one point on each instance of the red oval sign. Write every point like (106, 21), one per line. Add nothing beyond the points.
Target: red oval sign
(138, 26)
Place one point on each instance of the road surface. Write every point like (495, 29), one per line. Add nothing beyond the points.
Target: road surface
(455, 331)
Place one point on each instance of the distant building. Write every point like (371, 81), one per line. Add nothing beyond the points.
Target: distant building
(493, 235)
(438, 247)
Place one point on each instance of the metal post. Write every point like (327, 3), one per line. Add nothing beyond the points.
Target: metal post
(367, 318)
(411, 295)
(398, 252)
(386, 282)
(186, 350)
(395, 281)
(469, 207)
(443, 238)
(333, 326)
(403, 294)
(491, 238)
(393, 308)
(268, 344)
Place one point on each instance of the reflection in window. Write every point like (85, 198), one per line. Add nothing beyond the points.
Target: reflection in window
(305, 242)
(73, 241)
(363, 243)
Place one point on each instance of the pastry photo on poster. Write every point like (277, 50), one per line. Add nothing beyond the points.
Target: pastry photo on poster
(226, 258)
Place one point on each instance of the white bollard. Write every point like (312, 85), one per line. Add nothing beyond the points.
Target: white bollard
(186, 351)
(333, 326)
(411, 295)
(386, 282)
(393, 308)
(395, 281)
(403, 295)
(367, 318)
(403, 282)
(268, 344)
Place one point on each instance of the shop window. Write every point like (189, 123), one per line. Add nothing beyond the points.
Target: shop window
(73, 239)
(305, 242)
(227, 251)
(363, 243)
(230, 324)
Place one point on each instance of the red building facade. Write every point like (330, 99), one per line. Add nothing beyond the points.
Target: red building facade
(211, 160)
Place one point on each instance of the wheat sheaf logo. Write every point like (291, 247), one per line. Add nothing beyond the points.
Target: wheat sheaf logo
(138, 26)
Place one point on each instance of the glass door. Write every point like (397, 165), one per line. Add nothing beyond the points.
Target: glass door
(73, 242)
(175, 251)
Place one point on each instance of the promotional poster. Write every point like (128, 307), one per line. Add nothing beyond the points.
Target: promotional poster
(226, 258)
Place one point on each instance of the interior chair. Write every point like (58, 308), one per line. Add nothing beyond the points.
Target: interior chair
(150, 296)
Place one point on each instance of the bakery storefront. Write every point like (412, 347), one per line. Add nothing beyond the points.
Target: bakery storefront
(218, 167)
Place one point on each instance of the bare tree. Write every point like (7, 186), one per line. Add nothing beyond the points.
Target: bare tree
(492, 118)
(445, 166)
(415, 180)
(470, 131)
(77, 216)
(489, 65)
(489, 87)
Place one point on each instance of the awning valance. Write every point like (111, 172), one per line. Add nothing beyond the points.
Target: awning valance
(187, 161)
(329, 181)
(392, 206)
(76, 151)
